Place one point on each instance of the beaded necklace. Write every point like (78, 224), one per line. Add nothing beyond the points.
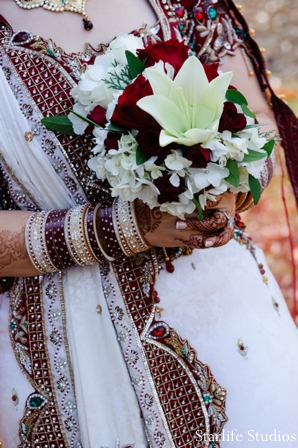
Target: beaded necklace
(78, 6)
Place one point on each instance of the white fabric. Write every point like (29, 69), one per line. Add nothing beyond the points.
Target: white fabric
(214, 298)
(27, 159)
(106, 413)
(107, 404)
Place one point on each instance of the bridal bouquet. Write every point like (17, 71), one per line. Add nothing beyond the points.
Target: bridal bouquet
(167, 130)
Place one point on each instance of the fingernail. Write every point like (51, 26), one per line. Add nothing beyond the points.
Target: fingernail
(181, 225)
(209, 243)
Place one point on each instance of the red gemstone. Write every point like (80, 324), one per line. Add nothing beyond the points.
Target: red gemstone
(262, 271)
(159, 331)
(170, 267)
(21, 37)
(242, 347)
(261, 266)
(14, 398)
(180, 12)
(199, 14)
(155, 296)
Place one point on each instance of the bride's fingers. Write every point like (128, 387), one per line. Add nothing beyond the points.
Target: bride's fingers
(212, 223)
(203, 242)
(221, 239)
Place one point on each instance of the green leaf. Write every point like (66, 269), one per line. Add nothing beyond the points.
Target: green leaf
(247, 111)
(268, 147)
(113, 127)
(60, 123)
(253, 156)
(236, 97)
(85, 119)
(135, 64)
(255, 188)
(141, 157)
(199, 208)
(234, 176)
(257, 125)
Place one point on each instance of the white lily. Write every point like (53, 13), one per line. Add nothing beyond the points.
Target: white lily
(188, 108)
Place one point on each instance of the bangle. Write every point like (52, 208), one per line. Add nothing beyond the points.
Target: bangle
(75, 238)
(90, 233)
(127, 232)
(107, 228)
(60, 239)
(55, 240)
(36, 243)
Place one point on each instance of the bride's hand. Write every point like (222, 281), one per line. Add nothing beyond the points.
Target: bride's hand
(164, 230)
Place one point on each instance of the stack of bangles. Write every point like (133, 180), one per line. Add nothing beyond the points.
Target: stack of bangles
(60, 239)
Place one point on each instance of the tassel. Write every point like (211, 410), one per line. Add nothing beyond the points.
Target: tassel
(169, 265)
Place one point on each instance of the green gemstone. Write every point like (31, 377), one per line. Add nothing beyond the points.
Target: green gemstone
(212, 12)
(50, 52)
(13, 326)
(25, 429)
(36, 401)
(184, 351)
(213, 444)
(207, 398)
(181, 26)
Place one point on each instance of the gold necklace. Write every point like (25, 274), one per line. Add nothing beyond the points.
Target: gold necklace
(78, 6)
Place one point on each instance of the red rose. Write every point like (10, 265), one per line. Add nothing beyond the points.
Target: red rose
(98, 115)
(211, 71)
(148, 139)
(126, 112)
(168, 193)
(171, 51)
(231, 120)
(111, 142)
(197, 155)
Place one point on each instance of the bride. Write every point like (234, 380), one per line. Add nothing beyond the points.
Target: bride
(125, 353)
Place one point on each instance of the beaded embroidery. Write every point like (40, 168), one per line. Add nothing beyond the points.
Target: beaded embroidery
(37, 314)
(177, 393)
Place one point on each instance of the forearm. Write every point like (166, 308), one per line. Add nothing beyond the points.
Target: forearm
(14, 258)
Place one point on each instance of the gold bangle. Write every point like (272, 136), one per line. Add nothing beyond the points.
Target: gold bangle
(127, 231)
(75, 238)
(36, 243)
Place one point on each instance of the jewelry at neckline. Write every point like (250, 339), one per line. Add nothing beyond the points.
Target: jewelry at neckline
(78, 6)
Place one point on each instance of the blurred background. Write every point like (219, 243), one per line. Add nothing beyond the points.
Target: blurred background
(276, 29)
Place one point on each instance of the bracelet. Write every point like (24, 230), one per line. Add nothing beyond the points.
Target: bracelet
(90, 233)
(107, 228)
(36, 243)
(60, 239)
(55, 240)
(75, 238)
(126, 229)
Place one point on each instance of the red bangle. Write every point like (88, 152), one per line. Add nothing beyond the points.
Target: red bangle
(107, 226)
(55, 240)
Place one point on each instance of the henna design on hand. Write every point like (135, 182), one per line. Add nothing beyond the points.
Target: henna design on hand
(198, 241)
(212, 204)
(224, 237)
(209, 224)
(12, 247)
(148, 220)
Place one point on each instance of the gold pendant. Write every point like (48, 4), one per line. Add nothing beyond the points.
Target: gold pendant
(78, 6)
